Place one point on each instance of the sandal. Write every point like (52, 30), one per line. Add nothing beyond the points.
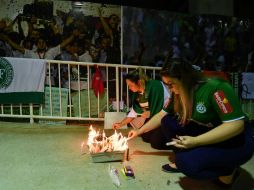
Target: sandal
(167, 168)
(218, 182)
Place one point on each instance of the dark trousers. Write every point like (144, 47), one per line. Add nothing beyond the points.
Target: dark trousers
(156, 138)
(211, 161)
(163, 134)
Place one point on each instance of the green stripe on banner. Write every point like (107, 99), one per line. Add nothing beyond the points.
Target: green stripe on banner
(24, 97)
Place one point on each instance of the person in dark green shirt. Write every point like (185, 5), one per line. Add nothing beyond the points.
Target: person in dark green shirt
(209, 133)
(148, 98)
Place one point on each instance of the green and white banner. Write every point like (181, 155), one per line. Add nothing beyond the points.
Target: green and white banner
(22, 80)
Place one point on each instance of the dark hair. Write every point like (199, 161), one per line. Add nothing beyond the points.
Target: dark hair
(182, 70)
(41, 38)
(113, 15)
(136, 75)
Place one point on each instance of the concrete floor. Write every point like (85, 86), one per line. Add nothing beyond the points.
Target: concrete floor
(48, 157)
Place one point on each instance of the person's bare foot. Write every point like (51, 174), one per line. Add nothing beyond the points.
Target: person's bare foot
(227, 181)
(170, 168)
(172, 165)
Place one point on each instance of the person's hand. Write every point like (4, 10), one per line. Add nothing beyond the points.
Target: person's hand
(132, 134)
(184, 142)
(69, 20)
(146, 114)
(116, 126)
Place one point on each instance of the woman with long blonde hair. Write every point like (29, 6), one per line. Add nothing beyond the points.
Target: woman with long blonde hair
(204, 124)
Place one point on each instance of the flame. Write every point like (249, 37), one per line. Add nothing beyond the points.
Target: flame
(98, 142)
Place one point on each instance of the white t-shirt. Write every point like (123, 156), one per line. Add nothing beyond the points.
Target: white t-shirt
(86, 57)
(49, 54)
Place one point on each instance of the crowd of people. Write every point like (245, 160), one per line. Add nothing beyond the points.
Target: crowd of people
(214, 42)
(67, 36)
(95, 39)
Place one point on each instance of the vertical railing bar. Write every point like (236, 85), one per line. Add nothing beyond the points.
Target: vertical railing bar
(79, 93)
(88, 91)
(31, 113)
(20, 109)
(107, 88)
(69, 85)
(117, 89)
(60, 89)
(50, 90)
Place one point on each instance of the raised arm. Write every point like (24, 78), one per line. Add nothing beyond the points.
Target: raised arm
(12, 43)
(66, 41)
(20, 29)
(105, 25)
(31, 23)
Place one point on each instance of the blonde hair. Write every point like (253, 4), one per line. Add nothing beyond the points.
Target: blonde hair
(183, 103)
(186, 77)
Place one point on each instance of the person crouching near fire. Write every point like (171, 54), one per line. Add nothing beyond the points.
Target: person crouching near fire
(209, 132)
(148, 98)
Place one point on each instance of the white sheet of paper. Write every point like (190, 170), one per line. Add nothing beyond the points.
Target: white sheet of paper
(113, 117)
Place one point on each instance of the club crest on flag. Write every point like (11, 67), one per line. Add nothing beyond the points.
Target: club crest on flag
(6, 73)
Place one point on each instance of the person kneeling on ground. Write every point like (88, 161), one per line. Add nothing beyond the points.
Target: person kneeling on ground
(148, 98)
(209, 132)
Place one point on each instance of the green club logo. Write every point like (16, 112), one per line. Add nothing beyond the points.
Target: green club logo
(201, 107)
(6, 73)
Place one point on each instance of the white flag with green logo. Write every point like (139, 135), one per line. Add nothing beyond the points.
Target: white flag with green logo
(21, 80)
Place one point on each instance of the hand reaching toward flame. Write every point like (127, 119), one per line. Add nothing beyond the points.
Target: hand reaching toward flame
(116, 125)
(132, 134)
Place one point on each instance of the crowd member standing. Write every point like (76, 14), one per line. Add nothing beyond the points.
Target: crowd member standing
(111, 29)
(209, 131)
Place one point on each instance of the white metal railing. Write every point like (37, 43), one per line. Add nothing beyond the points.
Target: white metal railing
(69, 94)
(69, 97)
